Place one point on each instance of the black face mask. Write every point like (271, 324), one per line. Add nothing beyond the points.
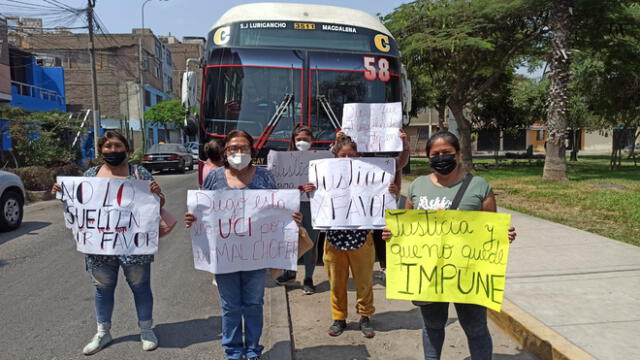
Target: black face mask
(114, 158)
(444, 164)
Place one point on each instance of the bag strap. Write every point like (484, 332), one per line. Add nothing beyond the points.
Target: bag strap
(463, 188)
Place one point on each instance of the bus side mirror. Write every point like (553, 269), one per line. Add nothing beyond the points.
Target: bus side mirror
(191, 126)
(189, 89)
(406, 96)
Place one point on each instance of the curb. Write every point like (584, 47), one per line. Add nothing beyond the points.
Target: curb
(534, 336)
(278, 341)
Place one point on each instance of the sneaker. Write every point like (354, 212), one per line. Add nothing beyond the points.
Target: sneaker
(366, 327)
(148, 339)
(286, 276)
(337, 328)
(308, 288)
(96, 344)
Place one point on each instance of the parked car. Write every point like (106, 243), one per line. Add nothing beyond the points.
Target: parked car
(195, 150)
(168, 156)
(12, 197)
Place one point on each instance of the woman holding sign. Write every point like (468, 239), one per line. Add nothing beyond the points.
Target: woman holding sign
(301, 140)
(451, 187)
(242, 292)
(114, 150)
(401, 161)
(346, 250)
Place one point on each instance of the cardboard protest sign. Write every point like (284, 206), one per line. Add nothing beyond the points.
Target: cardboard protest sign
(374, 127)
(241, 230)
(448, 256)
(291, 168)
(351, 193)
(111, 216)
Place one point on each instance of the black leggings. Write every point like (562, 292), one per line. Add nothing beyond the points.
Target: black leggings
(381, 248)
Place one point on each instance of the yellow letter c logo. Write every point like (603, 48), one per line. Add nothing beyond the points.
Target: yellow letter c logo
(222, 36)
(382, 42)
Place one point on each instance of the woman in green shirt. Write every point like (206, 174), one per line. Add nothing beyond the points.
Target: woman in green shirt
(437, 192)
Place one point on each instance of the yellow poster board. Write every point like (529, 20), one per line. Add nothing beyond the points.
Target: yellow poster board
(447, 256)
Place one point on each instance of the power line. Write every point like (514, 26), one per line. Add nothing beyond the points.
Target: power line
(29, 5)
(63, 6)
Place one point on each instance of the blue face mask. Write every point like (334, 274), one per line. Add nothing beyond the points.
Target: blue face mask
(443, 164)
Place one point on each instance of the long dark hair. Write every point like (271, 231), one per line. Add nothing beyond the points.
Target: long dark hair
(447, 136)
(299, 129)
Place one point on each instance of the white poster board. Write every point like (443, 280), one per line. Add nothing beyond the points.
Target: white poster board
(111, 216)
(241, 230)
(291, 168)
(351, 193)
(374, 127)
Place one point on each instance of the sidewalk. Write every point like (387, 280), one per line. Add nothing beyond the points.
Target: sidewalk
(398, 326)
(582, 286)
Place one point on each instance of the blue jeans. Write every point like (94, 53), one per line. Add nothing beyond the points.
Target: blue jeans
(242, 297)
(473, 319)
(105, 279)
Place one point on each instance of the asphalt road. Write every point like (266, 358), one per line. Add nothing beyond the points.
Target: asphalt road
(46, 296)
(47, 308)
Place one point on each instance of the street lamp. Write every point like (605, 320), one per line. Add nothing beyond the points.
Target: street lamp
(141, 78)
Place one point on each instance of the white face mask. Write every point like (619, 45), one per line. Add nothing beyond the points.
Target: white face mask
(239, 161)
(303, 145)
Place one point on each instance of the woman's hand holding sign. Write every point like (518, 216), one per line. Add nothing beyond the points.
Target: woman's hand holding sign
(56, 189)
(189, 219)
(512, 234)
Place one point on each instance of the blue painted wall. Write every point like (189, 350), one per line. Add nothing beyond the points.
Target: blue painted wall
(152, 129)
(50, 78)
(5, 138)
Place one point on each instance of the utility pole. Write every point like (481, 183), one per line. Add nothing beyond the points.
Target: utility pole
(94, 82)
(141, 92)
(141, 78)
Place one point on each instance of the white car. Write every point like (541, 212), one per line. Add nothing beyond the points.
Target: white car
(194, 148)
(12, 197)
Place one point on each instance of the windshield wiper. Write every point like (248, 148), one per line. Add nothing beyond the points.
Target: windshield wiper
(329, 111)
(273, 122)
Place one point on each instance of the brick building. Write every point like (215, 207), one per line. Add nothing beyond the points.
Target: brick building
(189, 47)
(117, 65)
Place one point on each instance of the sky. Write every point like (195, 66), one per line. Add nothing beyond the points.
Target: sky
(178, 17)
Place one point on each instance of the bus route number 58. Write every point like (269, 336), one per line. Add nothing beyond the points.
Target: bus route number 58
(371, 73)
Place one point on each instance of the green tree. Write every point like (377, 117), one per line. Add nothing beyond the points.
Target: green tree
(579, 27)
(41, 138)
(462, 48)
(609, 81)
(508, 107)
(166, 113)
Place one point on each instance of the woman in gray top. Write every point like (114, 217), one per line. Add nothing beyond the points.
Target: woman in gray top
(114, 148)
(436, 192)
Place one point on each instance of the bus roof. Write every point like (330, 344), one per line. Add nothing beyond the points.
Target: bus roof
(301, 12)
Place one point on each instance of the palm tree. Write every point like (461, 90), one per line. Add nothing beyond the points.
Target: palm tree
(555, 165)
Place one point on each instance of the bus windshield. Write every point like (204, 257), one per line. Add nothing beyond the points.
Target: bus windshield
(247, 97)
(249, 89)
